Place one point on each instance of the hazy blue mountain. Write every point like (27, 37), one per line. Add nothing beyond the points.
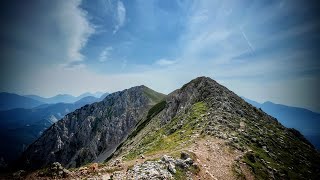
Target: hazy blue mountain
(20, 127)
(96, 94)
(304, 120)
(88, 100)
(103, 96)
(10, 101)
(64, 98)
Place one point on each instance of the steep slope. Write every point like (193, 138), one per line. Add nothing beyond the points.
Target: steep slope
(92, 132)
(20, 127)
(11, 101)
(304, 120)
(228, 137)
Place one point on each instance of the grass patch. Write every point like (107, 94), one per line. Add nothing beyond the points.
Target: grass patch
(153, 95)
(157, 141)
(156, 109)
(180, 174)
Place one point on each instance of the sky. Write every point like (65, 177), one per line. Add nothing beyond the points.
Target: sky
(264, 50)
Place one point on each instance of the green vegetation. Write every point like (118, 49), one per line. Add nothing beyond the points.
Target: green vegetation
(238, 172)
(151, 113)
(180, 174)
(153, 95)
(172, 135)
(289, 159)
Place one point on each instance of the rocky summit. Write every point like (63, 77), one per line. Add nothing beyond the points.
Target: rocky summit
(200, 131)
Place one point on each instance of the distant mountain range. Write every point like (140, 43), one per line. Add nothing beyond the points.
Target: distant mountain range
(11, 101)
(304, 120)
(65, 98)
(21, 126)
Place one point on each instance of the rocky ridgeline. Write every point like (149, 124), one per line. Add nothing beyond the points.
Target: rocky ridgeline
(203, 107)
(252, 143)
(92, 132)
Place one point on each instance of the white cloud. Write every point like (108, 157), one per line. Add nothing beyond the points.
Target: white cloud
(165, 62)
(45, 33)
(120, 16)
(74, 25)
(105, 54)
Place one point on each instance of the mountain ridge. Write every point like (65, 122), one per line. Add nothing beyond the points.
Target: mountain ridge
(66, 98)
(132, 102)
(213, 111)
(11, 101)
(224, 137)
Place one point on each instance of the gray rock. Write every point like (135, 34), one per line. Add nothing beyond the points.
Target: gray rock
(149, 170)
(92, 132)
(167, 159)
(181, 163)
(172, 168)
(18, 174)
(188, 161)
(55, 170)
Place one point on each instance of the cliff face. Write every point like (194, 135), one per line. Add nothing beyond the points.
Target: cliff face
(92, 132)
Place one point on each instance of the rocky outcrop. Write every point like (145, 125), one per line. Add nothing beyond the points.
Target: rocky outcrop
(55, 170)
(197, 90)
(92, 132)
(165, 168)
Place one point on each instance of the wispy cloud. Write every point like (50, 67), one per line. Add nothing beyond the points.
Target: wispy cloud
(76, 28)
(105, 54)
(165, 62)
(120, 16)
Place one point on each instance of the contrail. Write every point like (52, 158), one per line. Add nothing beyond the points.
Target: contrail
(245, 37)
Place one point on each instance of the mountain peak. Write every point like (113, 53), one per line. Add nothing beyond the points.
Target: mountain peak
(204, 110)
(201, 82)
(92, 132)
(202, 78)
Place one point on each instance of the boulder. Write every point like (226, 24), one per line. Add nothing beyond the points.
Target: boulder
(180, 163)
(184, 155)
(188, 161)
(172, 168)
(55, 170)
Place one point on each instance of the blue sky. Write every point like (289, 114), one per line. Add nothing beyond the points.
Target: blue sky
(263, 50)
